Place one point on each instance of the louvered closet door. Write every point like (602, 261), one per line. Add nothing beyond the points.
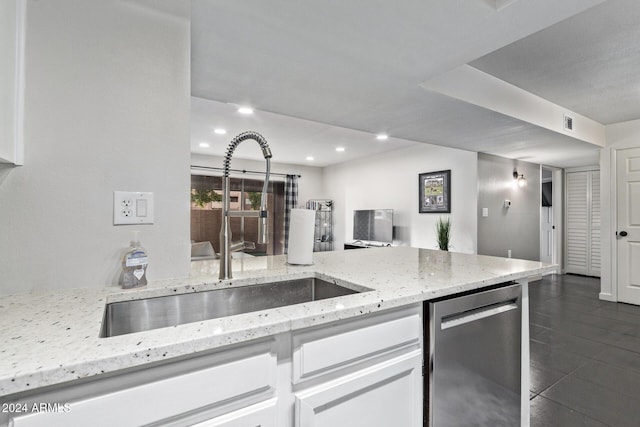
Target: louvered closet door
(577, 222)
(594, 220)
(583, 223)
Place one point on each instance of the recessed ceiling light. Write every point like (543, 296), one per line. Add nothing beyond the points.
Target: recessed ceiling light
(382, 137)
(205, 145)
(220, 131)
(245, 110)
(340, 149)
(309, 158)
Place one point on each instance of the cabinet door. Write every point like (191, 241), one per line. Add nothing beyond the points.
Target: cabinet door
(164, 393)
(387, 394)
(259, 415)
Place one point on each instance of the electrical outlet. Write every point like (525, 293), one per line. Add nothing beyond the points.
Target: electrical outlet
(132, 207)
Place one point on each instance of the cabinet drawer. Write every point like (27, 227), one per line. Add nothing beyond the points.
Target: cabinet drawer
(386, 394)
(165, 391)
(260, 415)
(335, 346)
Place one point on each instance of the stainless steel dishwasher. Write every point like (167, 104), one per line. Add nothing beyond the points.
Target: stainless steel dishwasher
(474, 359)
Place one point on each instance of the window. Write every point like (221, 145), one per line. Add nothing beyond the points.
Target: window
(206, 212)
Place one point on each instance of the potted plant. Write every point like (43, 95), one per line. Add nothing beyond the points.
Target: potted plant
(443, 233)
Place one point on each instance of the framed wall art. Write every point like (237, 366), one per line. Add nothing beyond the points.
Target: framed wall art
(434, 190)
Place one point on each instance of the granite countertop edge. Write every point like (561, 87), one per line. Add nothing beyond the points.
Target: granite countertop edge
(52, 337)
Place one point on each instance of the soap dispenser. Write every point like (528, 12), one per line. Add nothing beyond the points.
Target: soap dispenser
(134, 265)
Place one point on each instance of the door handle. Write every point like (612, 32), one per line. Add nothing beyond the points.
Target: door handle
(479, 313)
(623, 234)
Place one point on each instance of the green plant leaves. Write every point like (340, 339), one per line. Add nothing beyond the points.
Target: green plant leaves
(202, 197)
(443, 233)
(254, 199)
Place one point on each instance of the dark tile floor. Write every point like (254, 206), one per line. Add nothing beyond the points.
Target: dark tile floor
(585, 355)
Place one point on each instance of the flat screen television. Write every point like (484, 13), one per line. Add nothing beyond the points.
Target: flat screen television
(375, 225)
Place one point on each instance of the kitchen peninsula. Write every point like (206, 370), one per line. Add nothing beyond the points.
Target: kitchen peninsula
(277, 367)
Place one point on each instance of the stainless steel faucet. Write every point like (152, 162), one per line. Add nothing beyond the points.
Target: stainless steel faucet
(226, 247)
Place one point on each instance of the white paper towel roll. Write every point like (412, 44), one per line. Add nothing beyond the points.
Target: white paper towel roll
(301, 236)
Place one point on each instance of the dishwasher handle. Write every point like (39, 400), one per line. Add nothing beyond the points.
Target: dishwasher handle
(475, 314)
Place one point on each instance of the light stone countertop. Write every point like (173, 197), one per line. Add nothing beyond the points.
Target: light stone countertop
(53, 337)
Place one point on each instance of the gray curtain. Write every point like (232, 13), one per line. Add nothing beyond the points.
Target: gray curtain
(290, 202)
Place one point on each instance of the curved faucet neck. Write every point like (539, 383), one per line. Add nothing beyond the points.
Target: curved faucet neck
(225, 230)
(266, 151)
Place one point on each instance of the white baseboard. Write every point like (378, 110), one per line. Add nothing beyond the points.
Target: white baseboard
(607, 297)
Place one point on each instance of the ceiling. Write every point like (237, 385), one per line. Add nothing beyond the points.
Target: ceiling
(291, 140)
(357, 67)
(589, 63)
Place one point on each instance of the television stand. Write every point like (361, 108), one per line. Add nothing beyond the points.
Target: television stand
(365, 245)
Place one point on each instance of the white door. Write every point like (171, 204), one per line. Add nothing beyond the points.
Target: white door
(594, 225)
(577, 221)
(546, 231)
(583, 223)
(628, 233)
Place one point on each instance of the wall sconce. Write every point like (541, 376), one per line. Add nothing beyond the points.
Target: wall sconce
(520, 179)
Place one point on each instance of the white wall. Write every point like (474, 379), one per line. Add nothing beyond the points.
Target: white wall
(619, 136)
(390, 181)
(11, 79)
(106, 108)
(309, 183)
(516, 228)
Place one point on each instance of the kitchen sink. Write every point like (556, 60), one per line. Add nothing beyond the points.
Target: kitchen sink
(126, 317)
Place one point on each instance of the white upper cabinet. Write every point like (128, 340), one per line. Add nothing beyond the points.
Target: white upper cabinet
(12, 20)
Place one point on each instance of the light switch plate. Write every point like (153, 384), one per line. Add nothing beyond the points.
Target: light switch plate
(132, 207)
(485, 212)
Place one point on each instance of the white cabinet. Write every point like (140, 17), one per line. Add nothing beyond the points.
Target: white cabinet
(583, 222)
(260, 415)
(364, 371)
(181, 393)
(12, 25)
(318, 351)
(386, 394)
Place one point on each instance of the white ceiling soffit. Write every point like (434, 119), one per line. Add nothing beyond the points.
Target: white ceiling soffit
(544, 147)
(484, 90)
(291, 140)
(589, 63)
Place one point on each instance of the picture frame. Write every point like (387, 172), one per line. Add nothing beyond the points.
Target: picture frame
(434, 192)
